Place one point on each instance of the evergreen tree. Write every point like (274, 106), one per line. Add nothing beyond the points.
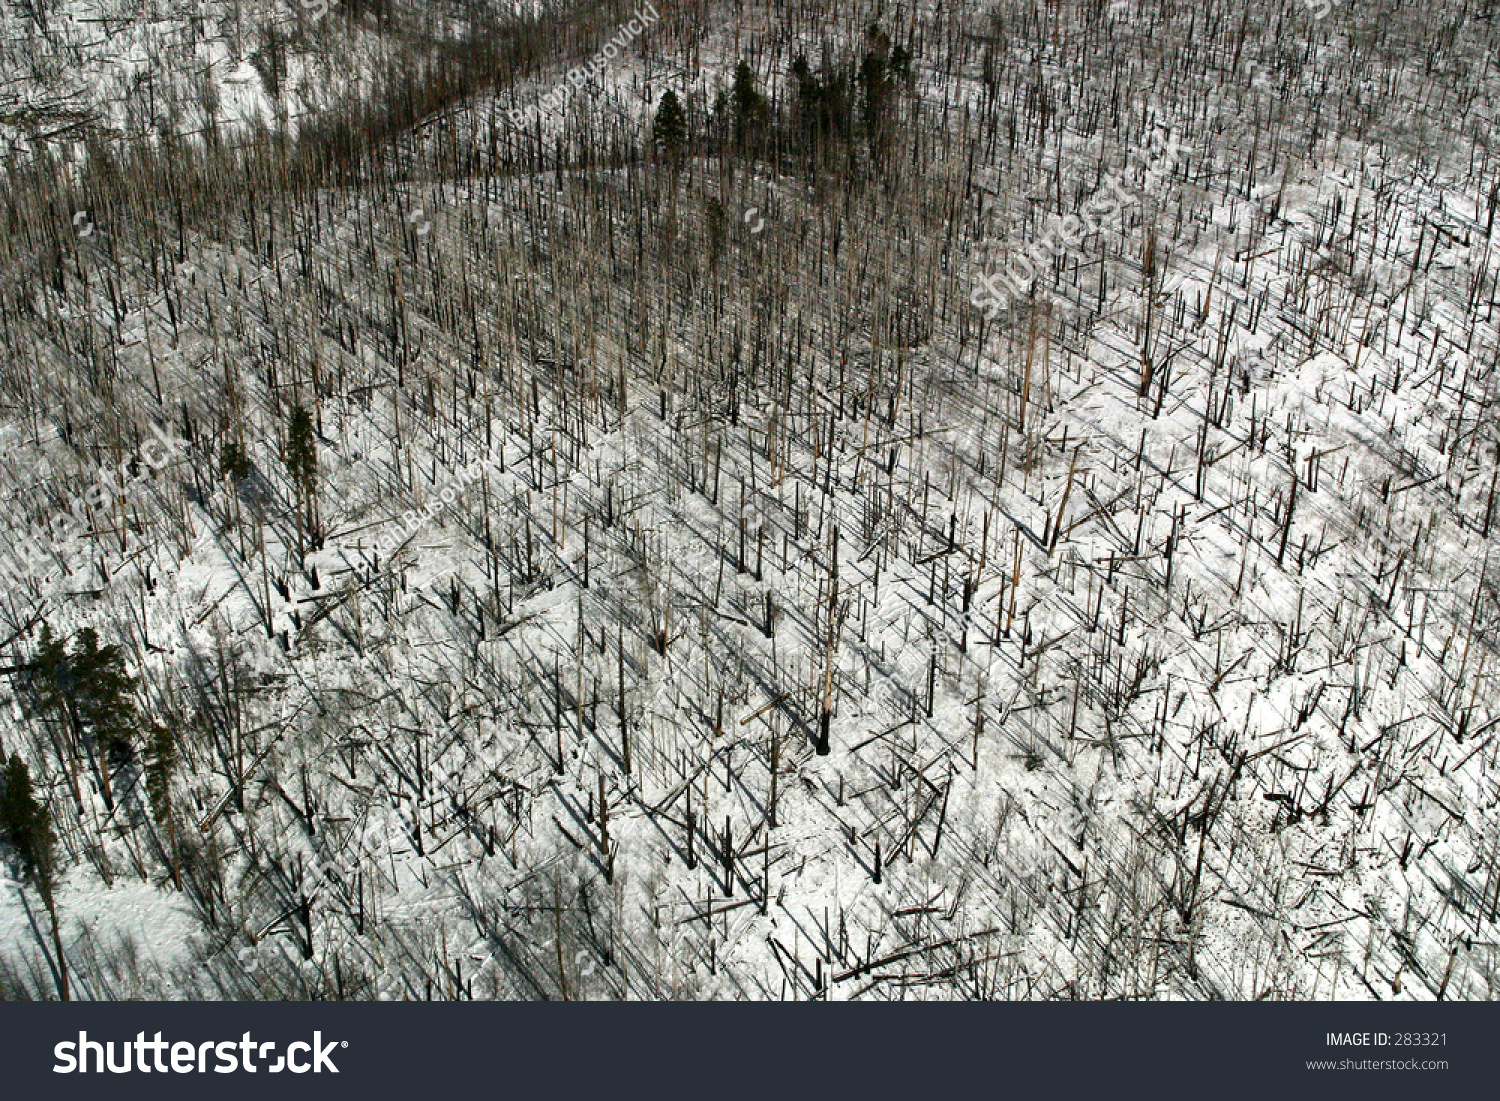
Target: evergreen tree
(669, 131)
(877, 74)
(44, 682)
(234, 462)
(901, 63)
(104, 689)
(873, 78)
(749, 109)
(716, 219)
(161, 762)
(809, 101)
(26, 825)
(50, 669)
(823, 106)
(301, 457)
(91, 692)
(301, 452)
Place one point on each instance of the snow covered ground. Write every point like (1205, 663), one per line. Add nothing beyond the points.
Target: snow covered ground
(1150, 626)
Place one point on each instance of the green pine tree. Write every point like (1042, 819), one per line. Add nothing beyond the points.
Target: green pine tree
(234, 462)
(669, 131)
(750, 111)
(50, 669)
(716, 221)
(901, 63)
(873, 80)
(823, 106)
(161, 762)
(104, 689)
(103, 701)
(301, 453)
(301, 457)
(809, 100)
(26, 826)
(90, 692)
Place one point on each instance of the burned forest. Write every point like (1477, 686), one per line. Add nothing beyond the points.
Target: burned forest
(732, 499)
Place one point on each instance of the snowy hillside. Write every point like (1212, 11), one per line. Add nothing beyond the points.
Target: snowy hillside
(81, 72)
(615, 560)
